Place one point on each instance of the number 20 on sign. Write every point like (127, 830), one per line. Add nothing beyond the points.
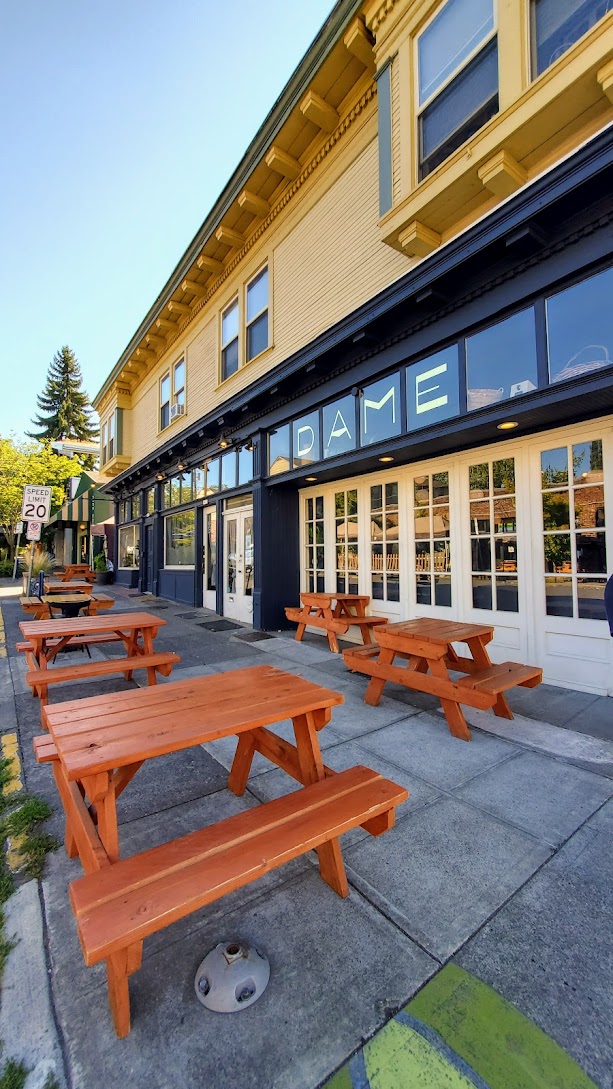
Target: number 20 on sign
(36, 503)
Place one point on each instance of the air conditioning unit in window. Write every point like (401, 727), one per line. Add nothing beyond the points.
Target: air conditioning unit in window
(176, 410)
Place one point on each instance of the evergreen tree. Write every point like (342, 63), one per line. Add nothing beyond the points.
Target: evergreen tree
(64, 405)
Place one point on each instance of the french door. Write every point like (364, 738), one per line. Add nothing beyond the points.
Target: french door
(238, 565)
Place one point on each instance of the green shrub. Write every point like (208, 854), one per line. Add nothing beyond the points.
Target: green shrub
(6, 569)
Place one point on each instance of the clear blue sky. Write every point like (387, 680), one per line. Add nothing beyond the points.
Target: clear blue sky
(121, 123)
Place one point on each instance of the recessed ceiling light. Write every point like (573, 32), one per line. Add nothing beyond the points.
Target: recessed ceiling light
(507, 425)
(387, 457)
(310, 478)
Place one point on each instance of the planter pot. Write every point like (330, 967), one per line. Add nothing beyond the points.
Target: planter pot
(104, 578)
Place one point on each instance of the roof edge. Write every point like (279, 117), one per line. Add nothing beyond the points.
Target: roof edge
(301, 77)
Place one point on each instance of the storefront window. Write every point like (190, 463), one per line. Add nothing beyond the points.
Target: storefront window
(228, 469)
(314, 543)
(150, 500)
(210, 562)
(245, 465)
(574, 543)
(136, 505)
(432, 539)
(212, 477)
(339, 427)
(346, 518)
(180, 539)
(384, 555)
(129, 540)
(501, 361)
(381, 410)
(493, 529)
(580, 328)
(278, 451)
(433, 389)
(306, 443)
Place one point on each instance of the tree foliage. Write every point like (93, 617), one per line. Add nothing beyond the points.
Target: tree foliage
(65, 411)
(29, 463)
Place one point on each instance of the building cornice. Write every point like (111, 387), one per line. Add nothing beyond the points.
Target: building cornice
(299, 82)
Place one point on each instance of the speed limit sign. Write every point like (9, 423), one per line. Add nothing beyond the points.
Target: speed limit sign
(36, 503)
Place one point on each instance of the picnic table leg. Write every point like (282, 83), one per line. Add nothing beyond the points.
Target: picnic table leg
(100, 790)
(483, 661)
(331, 866)
(377, 684)
(452, 710)
(241, 765)
(301, 627)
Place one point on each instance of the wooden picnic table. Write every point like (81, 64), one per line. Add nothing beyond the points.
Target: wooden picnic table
(75, 571)
(44, 639)
(56, 586)
(96, 746)
(426, 647)
(335, 613)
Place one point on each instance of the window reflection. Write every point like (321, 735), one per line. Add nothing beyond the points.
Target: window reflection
(580, 328)
(501, 361)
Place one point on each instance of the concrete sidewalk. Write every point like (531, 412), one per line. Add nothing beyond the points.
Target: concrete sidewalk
(500, 866)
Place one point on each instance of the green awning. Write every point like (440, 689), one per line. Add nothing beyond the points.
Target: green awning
(73, 511)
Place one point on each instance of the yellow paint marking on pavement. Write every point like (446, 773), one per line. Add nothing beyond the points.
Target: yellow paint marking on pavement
(14, 857)
(10, 752)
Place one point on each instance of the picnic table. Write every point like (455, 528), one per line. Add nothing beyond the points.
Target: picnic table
(335, 613)
(427, 648)
(96, 746)
(75, 571)
(57, 586)
(44, 639)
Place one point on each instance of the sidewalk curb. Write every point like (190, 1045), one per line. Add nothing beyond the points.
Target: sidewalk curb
(25, 999)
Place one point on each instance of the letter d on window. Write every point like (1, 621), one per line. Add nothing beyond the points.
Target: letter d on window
(305, 441)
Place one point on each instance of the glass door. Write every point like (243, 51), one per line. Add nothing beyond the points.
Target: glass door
(209, 559)
(238, 565)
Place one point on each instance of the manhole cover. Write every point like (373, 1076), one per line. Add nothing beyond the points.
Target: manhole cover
(186, 616)
(219, 625)
(253, 636)
(159, 606)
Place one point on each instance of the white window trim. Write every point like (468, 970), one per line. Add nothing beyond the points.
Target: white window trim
(265, 310)
(161, 403)
(234, 301)
(122, 529)
(175, 391)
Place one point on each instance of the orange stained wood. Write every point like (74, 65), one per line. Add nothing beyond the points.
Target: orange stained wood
(335, 613)
(130, 900)
(98, 734)
(35, 630)
(442, 632)
(58, 586)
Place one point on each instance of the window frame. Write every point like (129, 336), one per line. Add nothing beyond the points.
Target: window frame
(135, 530)
(167, 518)
(224, 345)
(164, 404)
(180, 389)
(239, 298)
(534, 44)
(420, 108)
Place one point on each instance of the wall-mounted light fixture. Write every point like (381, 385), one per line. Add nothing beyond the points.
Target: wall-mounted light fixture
(249, 445)
(159, 476)
(223, 442)
(507, 425)
(180, 466)
(388, 457)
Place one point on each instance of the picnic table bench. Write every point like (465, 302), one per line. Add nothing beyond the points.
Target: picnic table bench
(318, 611)
(45, 639)
(39, 609)
(72, 571)
(426, 646)
(96, 746)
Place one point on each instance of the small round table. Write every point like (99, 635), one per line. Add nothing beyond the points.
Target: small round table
(70, 604)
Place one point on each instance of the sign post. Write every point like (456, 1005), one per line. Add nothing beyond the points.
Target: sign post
(35, 510)
(18, 532)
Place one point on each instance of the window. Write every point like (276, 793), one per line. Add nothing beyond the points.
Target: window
(493, 529)
(558, 24)
(339, 426)
(136, 505)
(574, 542)
(432, 539)
(199, 477)
(210, 563)
(164, 402)
(384, 556)
(178, 383)
(104, 457)
(111, 436)
(346, 518)
(129, 541)
(228, 470)
(212, 476)
(229, 340)
(580, 327)
(150, 500)
(433, 392)
(245, 465)
(306, 440)
(257, 315)
(278, 451)
(381, 410)
(314, 544)
(180, 539)
(505, 352)
(457, 59)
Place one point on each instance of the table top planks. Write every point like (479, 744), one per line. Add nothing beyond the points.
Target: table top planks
(440, 632)
(98, 734)
(89, 625)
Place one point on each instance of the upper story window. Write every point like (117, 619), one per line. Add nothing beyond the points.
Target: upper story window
(457, 62)
(107, 439)
(172, 394)
(229, 340)
(558, 24)
(257, 315)
(245, 325)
